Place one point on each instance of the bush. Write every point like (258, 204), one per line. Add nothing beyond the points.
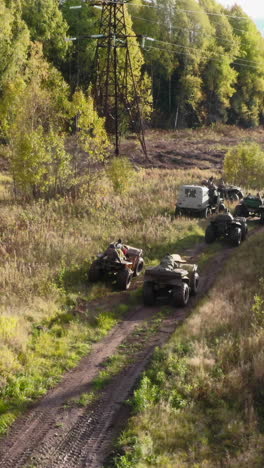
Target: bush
(244, 165)
(121, 173)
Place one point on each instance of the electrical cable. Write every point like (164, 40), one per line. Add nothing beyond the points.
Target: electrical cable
(193, 11)
(186, 53)
(183, 29)
(195, 48)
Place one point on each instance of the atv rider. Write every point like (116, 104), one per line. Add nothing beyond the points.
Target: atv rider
(121, 249)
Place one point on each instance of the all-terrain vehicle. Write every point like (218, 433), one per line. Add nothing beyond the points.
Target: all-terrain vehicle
(251, 205)
(230, 192)
(198, 200)
(119, 262)
(225, 226)
(173, 278)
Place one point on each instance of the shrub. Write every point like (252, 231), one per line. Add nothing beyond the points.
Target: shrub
(121, 173)
(244, 165)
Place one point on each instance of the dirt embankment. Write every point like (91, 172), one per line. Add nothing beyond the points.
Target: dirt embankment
(55, 434)
(203, 148)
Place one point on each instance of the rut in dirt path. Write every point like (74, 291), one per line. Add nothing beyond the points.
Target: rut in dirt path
(51, 435)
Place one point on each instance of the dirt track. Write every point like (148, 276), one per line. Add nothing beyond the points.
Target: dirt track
(53, 434)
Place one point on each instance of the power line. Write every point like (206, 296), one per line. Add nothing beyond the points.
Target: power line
(198, 50)
(193, 11)
(196, 12)
(186, 53)
(183, 29)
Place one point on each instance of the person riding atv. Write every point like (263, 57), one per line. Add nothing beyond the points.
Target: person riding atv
(120, 262)
(173, 278)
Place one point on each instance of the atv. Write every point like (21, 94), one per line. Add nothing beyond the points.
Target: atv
(120, 263)
(198, 200)
(251, 205)
(173, 278)
(230, 192)
(225, 226)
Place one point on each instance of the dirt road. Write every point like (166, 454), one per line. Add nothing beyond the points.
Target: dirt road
(55, 434)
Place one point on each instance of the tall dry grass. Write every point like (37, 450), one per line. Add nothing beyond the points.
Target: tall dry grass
(201, 403)
(46, 250)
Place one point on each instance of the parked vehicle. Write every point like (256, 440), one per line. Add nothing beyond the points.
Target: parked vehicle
(173, 278)
(227, 227)
(198, 200)
(251, 205)
(119, 262)
(230, 192)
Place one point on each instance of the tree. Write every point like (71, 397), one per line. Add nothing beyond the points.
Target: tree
(34, 115)
(91, 131)
(244, 165)
(248, 101)
(14, 43)
(46, 24)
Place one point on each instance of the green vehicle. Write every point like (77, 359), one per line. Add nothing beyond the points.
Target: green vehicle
(251, 205)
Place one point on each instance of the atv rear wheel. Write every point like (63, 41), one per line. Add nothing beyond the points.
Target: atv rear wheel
(180, 295)
(194, 283)
(236, 236)
(210, 235)
(205, 213)
(148, 294)
(139, 267)
(94, 273)
(221, 208)
(241, 210)
(178, 211)
(262, 217)
(123, 279)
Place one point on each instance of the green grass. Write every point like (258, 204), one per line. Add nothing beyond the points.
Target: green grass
(201, 402)
(55, 347)
(46, 249)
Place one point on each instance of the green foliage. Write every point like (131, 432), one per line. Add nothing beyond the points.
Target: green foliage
(244, 165)
(46, 24)
(121, 173)
(92, 135)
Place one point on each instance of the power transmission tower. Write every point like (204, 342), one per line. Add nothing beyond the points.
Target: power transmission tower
(116, 92)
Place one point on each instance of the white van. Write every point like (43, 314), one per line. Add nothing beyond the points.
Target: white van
(195, 199)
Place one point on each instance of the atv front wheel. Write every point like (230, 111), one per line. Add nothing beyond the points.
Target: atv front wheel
(236, 236)
(148, 294)
(180, 295)
(210, 235)
(123, 279)
(194, 282)
(139, 267)
(94, 273)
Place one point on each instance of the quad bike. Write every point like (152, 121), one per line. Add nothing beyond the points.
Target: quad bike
(198, 200)
(225, 226)
(230, 192)
(173, 278)
(121, 267)
(251, 205)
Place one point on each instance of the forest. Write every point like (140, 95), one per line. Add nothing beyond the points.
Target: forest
(195, 64)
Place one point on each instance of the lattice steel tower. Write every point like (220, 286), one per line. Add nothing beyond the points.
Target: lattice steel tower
(116, 92)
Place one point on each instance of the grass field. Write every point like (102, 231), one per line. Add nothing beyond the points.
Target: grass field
(46, 250)
(201, 402)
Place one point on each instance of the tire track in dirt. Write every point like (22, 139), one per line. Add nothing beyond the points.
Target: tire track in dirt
(45, 437)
